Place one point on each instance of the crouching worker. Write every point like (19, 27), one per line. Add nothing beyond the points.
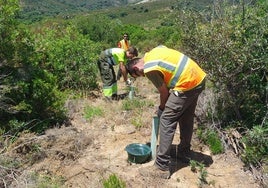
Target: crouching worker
(109, 58)
(179, 81)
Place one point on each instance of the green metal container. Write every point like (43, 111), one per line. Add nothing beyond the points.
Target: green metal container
(138, 153)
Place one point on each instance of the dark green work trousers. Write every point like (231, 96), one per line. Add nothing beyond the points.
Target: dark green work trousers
(108, 77)
(107, 72)
(179, 108)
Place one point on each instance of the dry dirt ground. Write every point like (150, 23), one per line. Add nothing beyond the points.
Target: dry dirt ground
(88, 151)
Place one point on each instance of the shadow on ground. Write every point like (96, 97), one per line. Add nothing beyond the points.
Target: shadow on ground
(177, 164)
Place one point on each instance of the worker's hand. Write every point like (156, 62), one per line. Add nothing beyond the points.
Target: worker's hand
(159, 112)
(128, 82)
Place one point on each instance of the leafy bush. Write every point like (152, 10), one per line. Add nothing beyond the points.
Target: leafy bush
(212, 139)
(256, 141)
(231, 47)
(28, 94)
(71, 57)
(8, 29)
(230, 43)
(100, 29)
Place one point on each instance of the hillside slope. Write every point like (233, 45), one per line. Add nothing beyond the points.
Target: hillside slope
(87, 152)
(56, 7)
(125, 10)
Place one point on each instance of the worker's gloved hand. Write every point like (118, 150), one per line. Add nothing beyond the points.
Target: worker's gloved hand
(159, 112)
(128, 82)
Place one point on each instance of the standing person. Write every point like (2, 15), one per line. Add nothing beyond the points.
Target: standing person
(179, 81)
(124, 44)
(109, 58)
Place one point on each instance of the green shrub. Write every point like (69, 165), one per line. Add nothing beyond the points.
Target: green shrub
(70, 56)
(212, 139)
(203, 174)
(137, 121)
(132, 104)
(113, 182)
(228, 42)
(136, 103)
(30, 95)
(256, 141)
(46, 180)
(90, 112)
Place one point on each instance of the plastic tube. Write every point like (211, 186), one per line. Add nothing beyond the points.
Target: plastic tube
(154, 135)
(131, 92)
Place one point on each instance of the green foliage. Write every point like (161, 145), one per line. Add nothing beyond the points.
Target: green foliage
(34, 97)
(137, 34)
(199, 167)
(113, 182)
(137, 121)
(135, 104)
(256, 141)
(229, 42)
(46, 180)
(90, 112)
(99, 29)
(71, 57)
(8, 29)
(28, 94)
(212, 139)
(232, 47)
(36, 10)
(214, 142)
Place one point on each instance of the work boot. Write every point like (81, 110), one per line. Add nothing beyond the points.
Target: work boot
(155, 172)
(184, 154)
(114, 97)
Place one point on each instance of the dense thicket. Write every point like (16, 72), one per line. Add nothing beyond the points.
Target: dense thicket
(38, 66)
(231, 44)
(29, 95)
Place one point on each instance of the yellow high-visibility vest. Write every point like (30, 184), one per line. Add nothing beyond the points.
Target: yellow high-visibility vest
(180, 72)
(115, 56)
(124, 44)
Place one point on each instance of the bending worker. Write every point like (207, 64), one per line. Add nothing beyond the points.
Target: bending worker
(109, 58)
(179, 81)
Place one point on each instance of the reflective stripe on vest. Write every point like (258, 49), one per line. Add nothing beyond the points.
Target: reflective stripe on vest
(170, 68)
(178, 72)
(108, 91)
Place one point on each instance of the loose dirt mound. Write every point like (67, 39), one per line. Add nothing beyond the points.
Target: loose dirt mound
(88, 152)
